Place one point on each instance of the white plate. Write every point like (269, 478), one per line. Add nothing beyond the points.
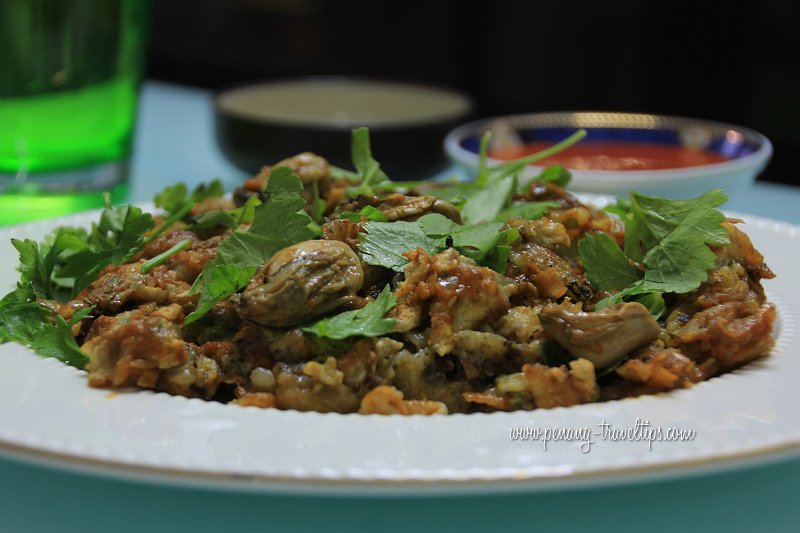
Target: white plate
(49, 415)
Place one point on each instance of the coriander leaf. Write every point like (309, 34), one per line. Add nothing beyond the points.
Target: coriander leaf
(368, 170)
(164, 226)
(373, 213)
(84, 267)
(621, 207)
(171, 198)
(611, 369)
(384, 243)
(401, 186)
(164, 256)
(352, 216)
(676, 235)
(552, 174)
(455, 193)
(214, 219)
(41, 330)
(655, 219)
(486, 203)
(508, 236)
(476, 241)
(437, 225)
(204, 191)
(605, 263)
(39, 261)
(224, 281)
(635, 292)
(317, 205)
(36, 266)
(283, 183)
(511, 168)
(338, 173)
(653, 301)
(231, 218)
(368, 321)
(497, 258)
(277, 223)
(245, 214)
(67, 241)
(368, 212)
(486, 197)
(555, 174)
(672, 238)
(528, 210)
(553, 354)
(483, 155)
(114, 239)
(677, 265)
(316, 229)
(120, 230)
(486, 245)
(80, 314)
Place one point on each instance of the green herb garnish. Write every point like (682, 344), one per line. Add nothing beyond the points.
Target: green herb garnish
(369, 321)
(31, 324)
(277, 223)
(486, 198)
(163, 257)
(368, 170)
(553, 354)
(317, 205)
(367, 212)
(670, 238)
(174, 197)
(528, 210)
(115, 239)
(61, 267)
(384, 243)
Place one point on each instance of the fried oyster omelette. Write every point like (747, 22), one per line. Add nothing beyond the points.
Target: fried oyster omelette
(319, 290)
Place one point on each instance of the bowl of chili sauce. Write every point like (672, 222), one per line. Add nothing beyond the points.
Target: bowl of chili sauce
(654, 154)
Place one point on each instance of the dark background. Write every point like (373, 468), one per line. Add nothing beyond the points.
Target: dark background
(737, 63)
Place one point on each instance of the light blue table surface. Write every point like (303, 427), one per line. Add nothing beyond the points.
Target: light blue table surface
(175, 141)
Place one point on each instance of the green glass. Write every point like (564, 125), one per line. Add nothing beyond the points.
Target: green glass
(69, 78)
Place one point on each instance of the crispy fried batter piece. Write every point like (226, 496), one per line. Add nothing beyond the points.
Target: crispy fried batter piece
(145, 348)
(453, 291)
(385, 400)
(256, 399)
(119, 286)
(653, 368)
(725, 319)
(562, 386)
(545, 255)
(313, 387)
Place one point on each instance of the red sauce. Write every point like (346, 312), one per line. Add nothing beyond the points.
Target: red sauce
(603, 155)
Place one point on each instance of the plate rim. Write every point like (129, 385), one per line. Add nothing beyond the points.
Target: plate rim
(321, 486)
(613, 474)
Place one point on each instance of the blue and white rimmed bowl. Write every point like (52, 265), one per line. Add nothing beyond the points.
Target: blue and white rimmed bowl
(747, 151)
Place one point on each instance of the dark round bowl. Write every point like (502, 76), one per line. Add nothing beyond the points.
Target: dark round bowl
(261, 123)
